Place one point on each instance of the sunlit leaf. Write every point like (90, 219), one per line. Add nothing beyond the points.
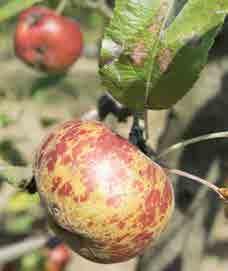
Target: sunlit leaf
(22, 201)
(128, 50)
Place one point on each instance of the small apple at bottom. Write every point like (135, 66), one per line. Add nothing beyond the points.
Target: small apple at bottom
(47, 40)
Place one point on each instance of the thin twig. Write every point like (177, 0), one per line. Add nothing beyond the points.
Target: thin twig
(187, 175)
(60, 8)
(14, 251)
(221, 11)
(99, 5)
(194, 140)
(146, 123)
(104, 9)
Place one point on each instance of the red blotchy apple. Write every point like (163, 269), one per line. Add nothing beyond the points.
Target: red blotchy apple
(103, 197)
(46, 40)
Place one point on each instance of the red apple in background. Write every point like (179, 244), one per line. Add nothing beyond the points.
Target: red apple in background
(60, 255)
(103, 197)
(46, 40)
(57, 258)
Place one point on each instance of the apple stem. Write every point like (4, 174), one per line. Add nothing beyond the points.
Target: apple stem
(222, 192)
(14, 251)
(61, 6)
(191, 141)
(146, 123)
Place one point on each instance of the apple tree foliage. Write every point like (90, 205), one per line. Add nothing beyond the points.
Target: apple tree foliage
(11, 8)
(152, 51)
(151, 56)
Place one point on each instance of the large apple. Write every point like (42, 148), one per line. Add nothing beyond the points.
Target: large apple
(47, 40)
(103, 197)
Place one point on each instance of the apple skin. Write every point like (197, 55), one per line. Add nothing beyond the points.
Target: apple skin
(46, 40)
(103, 197)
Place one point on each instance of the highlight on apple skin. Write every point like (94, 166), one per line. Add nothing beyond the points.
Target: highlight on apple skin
(46, 40)
(103, 197)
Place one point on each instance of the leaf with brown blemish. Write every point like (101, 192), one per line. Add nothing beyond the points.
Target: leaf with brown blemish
(135, 28)
(171, 59)
(164, 58)
(139, 54)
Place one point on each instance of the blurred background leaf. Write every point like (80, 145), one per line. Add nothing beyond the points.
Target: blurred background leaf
(10, 8)
(22, 201)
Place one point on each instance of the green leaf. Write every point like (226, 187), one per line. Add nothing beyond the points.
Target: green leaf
(32, 261)
(22, 202)
(12, 7)
(21, 224)
(5, 120)
(134, 49)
